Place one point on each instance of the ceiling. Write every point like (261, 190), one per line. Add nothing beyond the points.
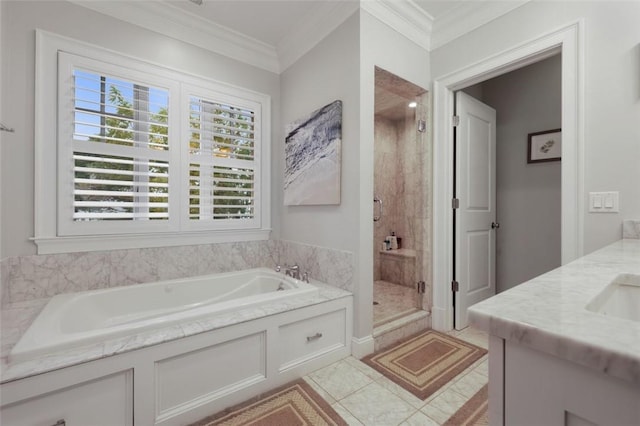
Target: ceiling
(393, 95)
(272, 20)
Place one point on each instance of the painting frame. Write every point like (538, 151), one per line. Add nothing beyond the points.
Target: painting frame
(544, 147)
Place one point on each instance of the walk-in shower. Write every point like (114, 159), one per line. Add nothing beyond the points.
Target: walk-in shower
(401, 190)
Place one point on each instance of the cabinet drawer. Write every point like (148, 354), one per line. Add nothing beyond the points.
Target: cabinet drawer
(311, 337)
(105, 401)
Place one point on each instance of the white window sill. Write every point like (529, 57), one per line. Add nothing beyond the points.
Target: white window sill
(51, 245)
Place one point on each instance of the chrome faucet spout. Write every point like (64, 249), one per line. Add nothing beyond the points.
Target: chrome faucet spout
(292, 271)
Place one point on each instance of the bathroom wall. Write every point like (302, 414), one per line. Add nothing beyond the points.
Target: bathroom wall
(326, 73)
(19, 21)
(610, 46)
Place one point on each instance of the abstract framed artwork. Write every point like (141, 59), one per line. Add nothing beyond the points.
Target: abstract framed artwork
(312, 158)
(545, 146)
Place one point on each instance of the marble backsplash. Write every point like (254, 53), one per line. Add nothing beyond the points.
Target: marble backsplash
(631, 229)
(25, 278)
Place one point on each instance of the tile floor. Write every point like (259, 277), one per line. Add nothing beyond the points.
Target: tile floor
(362, 396)
(394, 301)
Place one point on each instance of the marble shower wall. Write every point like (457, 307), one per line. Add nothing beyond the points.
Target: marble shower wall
(385, 182)
(631, 229)
(402, 159)
(26, 278)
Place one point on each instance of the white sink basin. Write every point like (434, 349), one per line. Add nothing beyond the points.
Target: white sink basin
(621, 298)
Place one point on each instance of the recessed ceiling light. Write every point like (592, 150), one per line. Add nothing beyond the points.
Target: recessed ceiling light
(413, 104)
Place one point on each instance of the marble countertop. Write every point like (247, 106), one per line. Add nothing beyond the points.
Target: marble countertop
(17, 318)
(548, 313)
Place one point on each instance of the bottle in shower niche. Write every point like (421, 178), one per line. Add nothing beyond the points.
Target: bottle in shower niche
(393, 240)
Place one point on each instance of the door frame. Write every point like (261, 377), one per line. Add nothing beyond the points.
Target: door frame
(569, 41)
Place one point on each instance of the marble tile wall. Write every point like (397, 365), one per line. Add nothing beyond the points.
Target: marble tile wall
(631, 229)
(334, 267)
(385, 180)
(26, 278)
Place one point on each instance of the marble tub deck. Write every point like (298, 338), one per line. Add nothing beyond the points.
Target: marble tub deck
(549, 314)
(17, 317)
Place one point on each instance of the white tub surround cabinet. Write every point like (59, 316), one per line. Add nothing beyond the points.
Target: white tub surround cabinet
(170, 381)
(552, 361)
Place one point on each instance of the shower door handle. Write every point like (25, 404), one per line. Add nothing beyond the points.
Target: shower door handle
(379, 201)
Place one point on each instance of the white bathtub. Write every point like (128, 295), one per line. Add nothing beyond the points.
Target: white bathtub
(78, 319)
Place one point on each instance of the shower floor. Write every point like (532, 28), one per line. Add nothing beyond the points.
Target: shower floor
(393, 301)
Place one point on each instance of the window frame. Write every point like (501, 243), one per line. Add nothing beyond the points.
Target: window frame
(53, 233)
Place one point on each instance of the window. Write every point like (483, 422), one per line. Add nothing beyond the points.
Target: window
(145, 155)
(119, 148)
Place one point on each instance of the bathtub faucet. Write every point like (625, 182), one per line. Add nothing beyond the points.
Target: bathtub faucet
(292, 271)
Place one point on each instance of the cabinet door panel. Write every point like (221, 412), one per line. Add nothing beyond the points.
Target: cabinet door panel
(544, 390)
(104, 401)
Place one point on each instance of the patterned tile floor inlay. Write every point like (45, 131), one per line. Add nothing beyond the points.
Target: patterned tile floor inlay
(363, 397)
(393, 301)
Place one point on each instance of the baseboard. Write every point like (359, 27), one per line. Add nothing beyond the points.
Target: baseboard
(439, 320)
(362, 346)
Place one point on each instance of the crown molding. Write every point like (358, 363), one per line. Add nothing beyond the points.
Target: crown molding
(171, 21)
(405, 17)
(325, 17)
(468, 16)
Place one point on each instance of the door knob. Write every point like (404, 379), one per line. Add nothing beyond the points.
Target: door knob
(495, 225)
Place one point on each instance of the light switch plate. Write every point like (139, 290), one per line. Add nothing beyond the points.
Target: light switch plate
(604, 202)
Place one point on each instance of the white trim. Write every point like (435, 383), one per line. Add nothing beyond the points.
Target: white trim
(405, 17)
(172, 21)
(362, 346)
(570, 40)
(466, 17)
(52, 245)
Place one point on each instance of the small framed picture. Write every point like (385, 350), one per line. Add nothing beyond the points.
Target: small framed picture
(545, 146)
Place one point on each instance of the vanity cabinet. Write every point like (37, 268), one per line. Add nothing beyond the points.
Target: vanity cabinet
(181, 381)
(528, 387)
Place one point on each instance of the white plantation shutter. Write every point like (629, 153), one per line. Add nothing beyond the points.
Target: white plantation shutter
(120, 139)
(223, 161)
(115, 125)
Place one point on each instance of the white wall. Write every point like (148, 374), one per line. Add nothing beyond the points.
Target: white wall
(326, 73)
(528, 196)
(611, 45)
(19, 21)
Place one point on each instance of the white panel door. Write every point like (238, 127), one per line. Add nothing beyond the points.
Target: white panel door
(475, 188)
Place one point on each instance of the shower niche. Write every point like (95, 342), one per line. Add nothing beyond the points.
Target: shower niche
(402, 186)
